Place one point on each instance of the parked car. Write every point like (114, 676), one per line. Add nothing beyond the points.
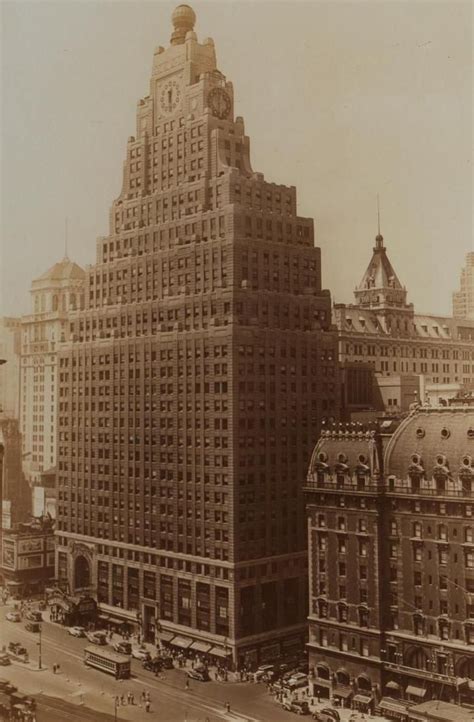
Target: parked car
(4, 659)
(34, 616)
(199, 673)
(264, 671)
(298, 707)
(140, 653)
(7, 687)
(296, 681)
(17, 650)
(154, 664)
(97, 637)
(77, 631)
(123, 647)
(13, 616)
(33, 626)
(167, 662)
(327, 715)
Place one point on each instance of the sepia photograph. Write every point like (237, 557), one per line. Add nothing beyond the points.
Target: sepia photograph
(236, 361)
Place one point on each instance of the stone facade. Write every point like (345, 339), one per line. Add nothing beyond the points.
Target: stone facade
(391, 559)
(463, 300)
(382, 331)
(196, 378)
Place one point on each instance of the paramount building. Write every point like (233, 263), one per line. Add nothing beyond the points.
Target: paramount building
(195, 381)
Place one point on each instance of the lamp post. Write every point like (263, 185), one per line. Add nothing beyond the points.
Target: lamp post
(115, 708)
(40, 666)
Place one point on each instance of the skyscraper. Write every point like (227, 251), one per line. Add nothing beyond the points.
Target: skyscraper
(195, 380)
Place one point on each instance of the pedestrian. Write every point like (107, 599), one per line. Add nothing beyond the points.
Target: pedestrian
(187, 684)
(129, 700)
(147, 705)
(143, 697)
(132, 698)
(122, 700)
(148, 697)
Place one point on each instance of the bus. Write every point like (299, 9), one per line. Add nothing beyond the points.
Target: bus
(107, 661)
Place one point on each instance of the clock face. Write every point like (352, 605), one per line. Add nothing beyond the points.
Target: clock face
(219, 103)
(170, 96)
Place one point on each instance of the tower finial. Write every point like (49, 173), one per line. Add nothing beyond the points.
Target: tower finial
(183, 19)
(379, 237)
(66, 257)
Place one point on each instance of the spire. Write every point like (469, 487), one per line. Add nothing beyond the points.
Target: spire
(378, 237)
(66, 257)
(183, 19)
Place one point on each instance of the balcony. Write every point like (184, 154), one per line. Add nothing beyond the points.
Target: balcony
(348, 485)
(421, 673)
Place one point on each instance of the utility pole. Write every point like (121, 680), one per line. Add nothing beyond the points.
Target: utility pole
(40, 666)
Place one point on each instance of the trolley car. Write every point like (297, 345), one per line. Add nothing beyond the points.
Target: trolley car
(107, 661)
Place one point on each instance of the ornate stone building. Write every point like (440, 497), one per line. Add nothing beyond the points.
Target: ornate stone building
(194, 382)
(54, 295)
(463, 300)
(382, 332)
(391, 560)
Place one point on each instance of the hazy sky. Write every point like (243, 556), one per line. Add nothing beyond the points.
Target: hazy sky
(342, 99)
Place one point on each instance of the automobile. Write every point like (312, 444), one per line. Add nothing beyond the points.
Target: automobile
(33, 626)
(167, 662)
(199, 673)
(4, 659)
(140, 653)
(17, 650)
(298, 707)
(77, 631)
(296, 681)
(123, 647)
(327, 715)
(264, 671)
(7, 687)
(97, 637)
(154, 664)
(13, 616)
(34, 616)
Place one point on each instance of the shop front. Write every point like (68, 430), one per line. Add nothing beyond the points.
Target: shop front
(392, 709)
(72, 611)
(342, 696)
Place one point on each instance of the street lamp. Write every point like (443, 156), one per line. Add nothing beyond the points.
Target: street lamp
(116, 704)
(40, 647)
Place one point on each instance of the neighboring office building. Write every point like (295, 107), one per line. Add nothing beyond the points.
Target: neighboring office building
(391, 559)
(382, 330)
(54, 295)
(10, 338)
(463, 300)
(195, 381)
(16, 493)
(27, 562)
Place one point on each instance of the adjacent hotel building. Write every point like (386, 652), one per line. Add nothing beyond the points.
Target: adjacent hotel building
(194, 382)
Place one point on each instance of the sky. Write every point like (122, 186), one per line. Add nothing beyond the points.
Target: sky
(344, 100)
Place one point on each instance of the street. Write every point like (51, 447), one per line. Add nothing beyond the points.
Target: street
(84, 688)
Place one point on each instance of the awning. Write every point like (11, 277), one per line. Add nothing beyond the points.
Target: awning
(415, 691)
(343, 692)
(321, 682)
(219, 652)
(391, 705)
(362, 698)
(392, 685)
(165, 636)
(201, 646)
(182, 642)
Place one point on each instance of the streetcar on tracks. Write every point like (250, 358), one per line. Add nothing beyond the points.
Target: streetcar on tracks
(107, 661)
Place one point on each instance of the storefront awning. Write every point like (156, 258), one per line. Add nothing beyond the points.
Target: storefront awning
(415, 691)
(343, 692)
(391, 705)
(392, 685)
(201, 646)
(362, 699)
(219, 652)
(321, 682)
(165, 636)
(182, 642)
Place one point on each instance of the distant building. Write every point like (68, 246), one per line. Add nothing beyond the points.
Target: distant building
(45, 495)
(195, 381)
(16, 493)
(54, 295)
(463, 300)
(391, 561)
(10, 338)
(412, 356)
(27, 562)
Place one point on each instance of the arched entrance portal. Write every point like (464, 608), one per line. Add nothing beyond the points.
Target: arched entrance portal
(82, 572)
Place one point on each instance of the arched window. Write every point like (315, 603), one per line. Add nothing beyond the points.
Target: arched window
(417, 658)
(364, 683)
(322, 671)
(343, 678)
